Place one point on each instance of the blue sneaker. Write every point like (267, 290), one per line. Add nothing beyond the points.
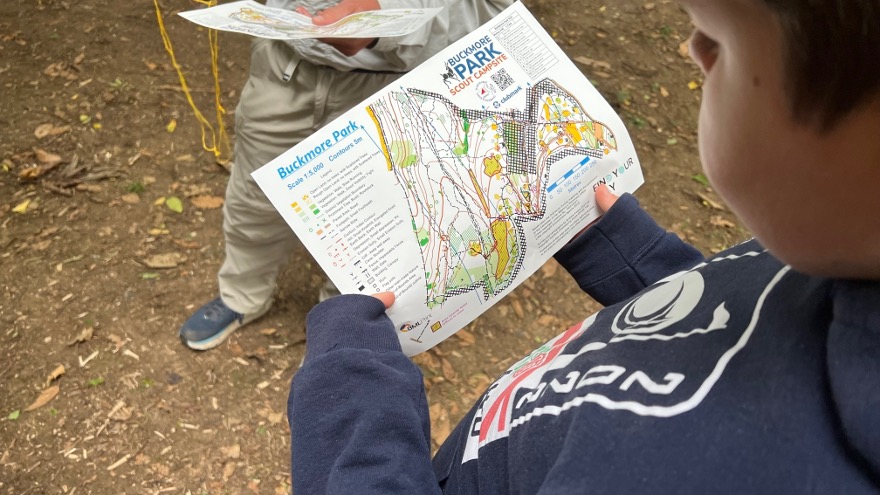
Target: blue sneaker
(213, 323)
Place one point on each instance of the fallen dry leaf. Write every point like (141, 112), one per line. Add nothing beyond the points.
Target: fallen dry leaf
(228, 469)
(44, 130)
(191, 190)
(59, 69)
(448, 369)
(232, 451)
(46, 232)
(479, 382)
(549, 268)
(160, 469)
(721, 222)
(34, 172)
(46, 158)
(44, 398)
(427, 360)
(55, 374)
(83, 336)
(117, 341)
(599, 64)
(207, 202)
(254, 486)
(93, 188)
(164, 260)
(466, 336)
(121, 414)
(518, 308)
(710, 203)
(548, 321)
(186, 244)
(275, 418)
(22, 207)
(440, 425)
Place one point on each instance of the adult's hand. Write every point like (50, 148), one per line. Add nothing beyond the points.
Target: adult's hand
(346, 46)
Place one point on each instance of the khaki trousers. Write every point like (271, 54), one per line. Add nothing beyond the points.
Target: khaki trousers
(273, 115)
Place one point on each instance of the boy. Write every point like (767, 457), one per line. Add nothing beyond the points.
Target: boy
(756, 371)
(294, 89)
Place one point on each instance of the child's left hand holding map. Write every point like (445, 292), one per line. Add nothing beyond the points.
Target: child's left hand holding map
(252, 18)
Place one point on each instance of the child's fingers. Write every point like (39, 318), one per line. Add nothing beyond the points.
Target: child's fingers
(387, 298)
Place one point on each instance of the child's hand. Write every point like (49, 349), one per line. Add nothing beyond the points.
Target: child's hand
(605, 198)
(346, 46)
(387, 298)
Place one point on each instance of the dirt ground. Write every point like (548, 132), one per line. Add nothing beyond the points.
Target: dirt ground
(89, 159)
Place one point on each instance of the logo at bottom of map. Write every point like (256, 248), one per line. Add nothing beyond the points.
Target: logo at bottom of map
(414, 325)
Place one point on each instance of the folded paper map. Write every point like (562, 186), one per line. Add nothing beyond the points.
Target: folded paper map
(455, 183)
(252, 18)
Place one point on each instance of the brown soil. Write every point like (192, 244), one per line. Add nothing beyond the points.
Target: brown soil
(72, 263)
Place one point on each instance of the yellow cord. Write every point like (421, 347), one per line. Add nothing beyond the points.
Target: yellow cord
(219, 144)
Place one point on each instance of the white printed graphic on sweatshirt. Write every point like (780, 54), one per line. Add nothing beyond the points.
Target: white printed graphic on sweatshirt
(659, 354)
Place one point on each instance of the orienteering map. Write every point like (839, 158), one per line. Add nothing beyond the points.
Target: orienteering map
(255, 19)
(458, 181)
(473, 177)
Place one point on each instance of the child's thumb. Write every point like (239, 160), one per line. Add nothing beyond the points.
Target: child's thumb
(605, 198)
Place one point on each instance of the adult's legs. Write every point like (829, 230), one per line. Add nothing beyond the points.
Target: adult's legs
(274, 115)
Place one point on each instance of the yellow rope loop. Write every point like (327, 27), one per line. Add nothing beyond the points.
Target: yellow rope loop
(219, 144)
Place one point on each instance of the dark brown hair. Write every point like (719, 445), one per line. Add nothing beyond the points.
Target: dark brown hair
(832, 56)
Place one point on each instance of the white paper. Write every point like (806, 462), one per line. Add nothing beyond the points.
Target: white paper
(454, 184)
(252, 18)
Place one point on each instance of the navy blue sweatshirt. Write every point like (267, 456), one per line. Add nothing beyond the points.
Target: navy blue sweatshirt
(731, 375)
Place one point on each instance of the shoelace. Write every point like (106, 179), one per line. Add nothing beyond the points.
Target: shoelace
(216, 308)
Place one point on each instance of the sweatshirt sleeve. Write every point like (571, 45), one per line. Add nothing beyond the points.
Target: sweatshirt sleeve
(624, 252)
(357, 408)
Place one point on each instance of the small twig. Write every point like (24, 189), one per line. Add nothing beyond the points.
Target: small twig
(56, 189)
(169, 87)
(100, 175)
(73, 168)
(119, 405)
(83, 362)
(118, 463)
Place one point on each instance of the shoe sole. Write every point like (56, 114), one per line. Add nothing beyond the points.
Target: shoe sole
(210, 343)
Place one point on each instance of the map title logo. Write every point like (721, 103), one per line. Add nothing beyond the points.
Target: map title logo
(471, 63)
(300, 161)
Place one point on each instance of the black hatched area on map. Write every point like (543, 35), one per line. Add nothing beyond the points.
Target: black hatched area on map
(472, 178)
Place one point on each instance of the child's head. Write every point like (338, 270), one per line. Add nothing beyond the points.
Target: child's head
(790, 125)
